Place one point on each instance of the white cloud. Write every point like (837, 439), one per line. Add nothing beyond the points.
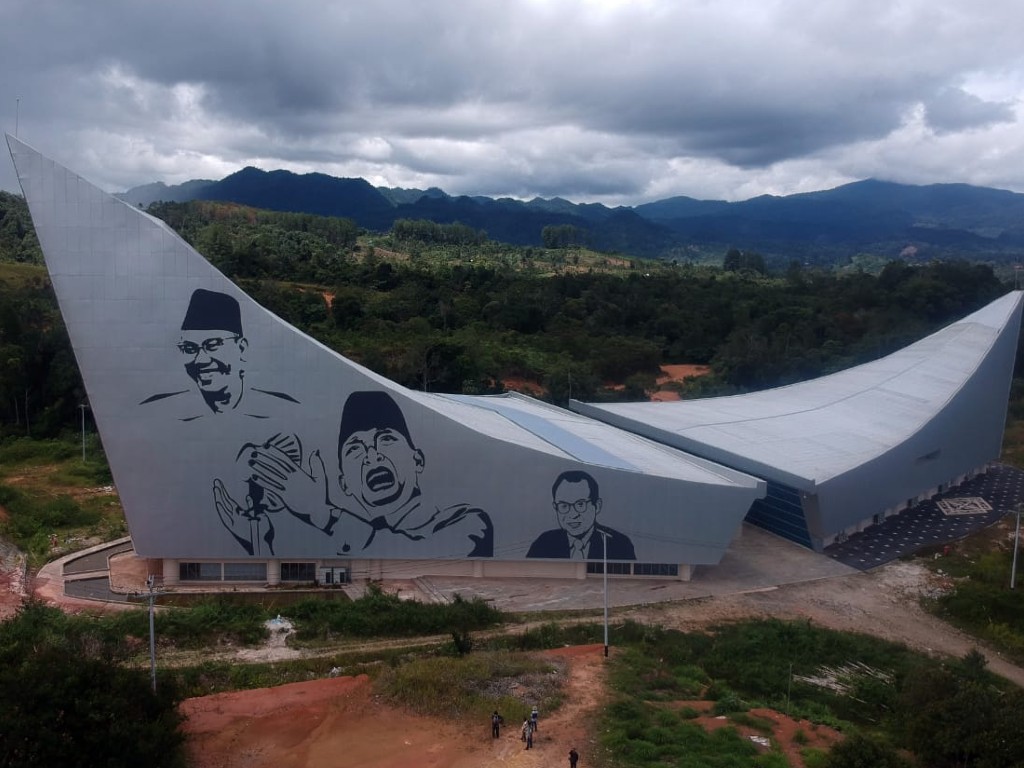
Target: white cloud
(604, 100)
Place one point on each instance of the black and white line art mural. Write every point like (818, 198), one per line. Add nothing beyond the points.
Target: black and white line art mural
(576, 500)
(380, 502)
(252, 525)
(213, 348)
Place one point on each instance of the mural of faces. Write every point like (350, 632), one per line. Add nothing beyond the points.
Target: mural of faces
(575, 507)
(215, 361)
(380, 468)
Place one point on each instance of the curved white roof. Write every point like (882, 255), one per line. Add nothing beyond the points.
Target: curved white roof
(809, 432)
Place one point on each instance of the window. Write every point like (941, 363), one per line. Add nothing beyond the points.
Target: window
(199, 571)
(298, 571)
(655, 569)
(245, 571)
(622, 569)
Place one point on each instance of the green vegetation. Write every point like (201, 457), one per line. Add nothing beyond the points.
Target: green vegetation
(18, 241)
(981, 601)
(378, 614)
(442, 308)
(66, 700)
(49, 492)
(882, 695)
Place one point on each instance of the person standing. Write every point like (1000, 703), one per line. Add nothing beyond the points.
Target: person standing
(574, 757)
(496, 721)
(534, 716)
(527, 733)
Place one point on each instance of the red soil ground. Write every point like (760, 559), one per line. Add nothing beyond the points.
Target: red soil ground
(340, 723)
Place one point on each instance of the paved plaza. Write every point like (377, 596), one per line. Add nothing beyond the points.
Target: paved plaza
(950, 516)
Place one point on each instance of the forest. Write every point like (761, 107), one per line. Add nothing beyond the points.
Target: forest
(440, 307)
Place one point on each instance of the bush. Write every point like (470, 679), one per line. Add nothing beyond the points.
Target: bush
(861, 751)
(378, 614)
(64, 702)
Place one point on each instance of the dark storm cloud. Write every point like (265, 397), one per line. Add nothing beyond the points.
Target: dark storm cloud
(595, 99)
(953, 109)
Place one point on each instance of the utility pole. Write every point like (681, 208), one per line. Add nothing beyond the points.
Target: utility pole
(1016, 547)
(83, 406)
(152, 633)
(604, 553)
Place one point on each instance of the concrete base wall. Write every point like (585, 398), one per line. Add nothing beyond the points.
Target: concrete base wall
(379, 570)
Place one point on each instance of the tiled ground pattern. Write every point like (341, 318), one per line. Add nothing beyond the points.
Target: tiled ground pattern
(925, 525)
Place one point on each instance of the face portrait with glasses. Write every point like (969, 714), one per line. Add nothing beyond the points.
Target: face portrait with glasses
(576, 505)
(215, 364)
(576, 500)
(212, 348)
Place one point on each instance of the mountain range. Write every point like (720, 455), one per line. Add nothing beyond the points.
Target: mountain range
(866, 217)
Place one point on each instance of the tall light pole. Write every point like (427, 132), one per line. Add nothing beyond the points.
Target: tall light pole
(83, 406)
(1016, 547)
(604, 554)
(152, 634)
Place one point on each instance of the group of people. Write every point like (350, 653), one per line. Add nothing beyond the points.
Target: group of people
(530, 726)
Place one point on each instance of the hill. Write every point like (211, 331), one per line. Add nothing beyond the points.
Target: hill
(885, 219)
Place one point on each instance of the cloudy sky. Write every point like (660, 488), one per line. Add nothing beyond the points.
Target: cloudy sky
(613, 101)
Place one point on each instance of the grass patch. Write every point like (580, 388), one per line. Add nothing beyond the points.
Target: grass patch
(472, 686)
(753, 721)
(736, 666)
(814, 757)
(48, 490)
(548, 635)
(982, 602)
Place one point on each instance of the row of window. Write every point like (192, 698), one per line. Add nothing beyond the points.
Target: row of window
(244, 571)
(636, 569)
(306, 572)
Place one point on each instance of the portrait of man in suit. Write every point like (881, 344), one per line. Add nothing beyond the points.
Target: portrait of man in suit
(576, 500)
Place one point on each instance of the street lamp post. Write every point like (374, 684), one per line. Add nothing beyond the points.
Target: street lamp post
(83, 406)
(1016, 547)
(604, 569)
(152, 634)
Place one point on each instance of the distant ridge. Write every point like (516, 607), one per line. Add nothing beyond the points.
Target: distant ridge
(871, 216)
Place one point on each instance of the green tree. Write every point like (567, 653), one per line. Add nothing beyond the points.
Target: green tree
(64, 702)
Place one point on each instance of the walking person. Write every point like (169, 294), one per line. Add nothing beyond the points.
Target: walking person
(574, 757)
(496, 721)
(534, 715)
(528, 733)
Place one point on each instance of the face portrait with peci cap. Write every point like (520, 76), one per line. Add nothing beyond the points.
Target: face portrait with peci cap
(379, 464)
(212, 348)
